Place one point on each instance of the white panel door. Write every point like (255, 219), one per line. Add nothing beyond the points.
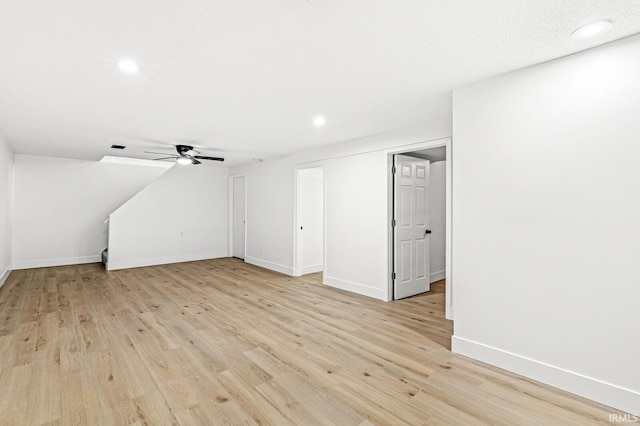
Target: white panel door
(311, 219)
(411, 230)
(238, 216)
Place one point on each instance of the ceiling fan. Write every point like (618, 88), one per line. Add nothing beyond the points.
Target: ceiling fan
(186, 155)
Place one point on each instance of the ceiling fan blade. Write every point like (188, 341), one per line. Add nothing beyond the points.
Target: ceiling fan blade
(196, 161)
(201, 157)
(161, 153)
(164, 158)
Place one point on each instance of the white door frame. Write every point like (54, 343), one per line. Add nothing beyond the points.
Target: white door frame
(230, 231)
(297, 253)
(449, 311)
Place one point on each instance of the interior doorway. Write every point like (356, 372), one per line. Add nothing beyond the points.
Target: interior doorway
(420, 243)
(238, 216)
(309, 228)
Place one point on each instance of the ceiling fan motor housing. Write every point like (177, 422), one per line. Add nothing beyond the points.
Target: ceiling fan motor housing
(182, 149)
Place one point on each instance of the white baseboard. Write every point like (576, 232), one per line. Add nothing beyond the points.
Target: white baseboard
(437, 276)
(310, 269)
(4, 276)
(287, 270)
(588, 387)
(451, 314)
(113, 265)
(376, 293)
(45, 263)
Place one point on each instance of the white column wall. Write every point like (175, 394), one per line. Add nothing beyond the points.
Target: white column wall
(546, 208)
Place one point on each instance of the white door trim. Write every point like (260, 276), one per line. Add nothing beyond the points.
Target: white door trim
(447, 143)
(230, 212)
(297, 267)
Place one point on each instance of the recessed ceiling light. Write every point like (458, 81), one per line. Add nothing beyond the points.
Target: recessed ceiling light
(127, 65)
(319, 121)
(591, 30)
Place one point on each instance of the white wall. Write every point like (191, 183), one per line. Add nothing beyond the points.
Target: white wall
(6, 208)
(311, 219)
(355, 170)
(357, 224)
(546, 223)
(61, 205)
(437, 240)
(182, 216)
(269, 214)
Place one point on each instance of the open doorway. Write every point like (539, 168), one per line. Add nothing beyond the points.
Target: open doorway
(420, 226)
(309, 228)
(238, 213)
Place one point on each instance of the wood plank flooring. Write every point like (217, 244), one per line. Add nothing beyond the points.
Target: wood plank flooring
(224, 342)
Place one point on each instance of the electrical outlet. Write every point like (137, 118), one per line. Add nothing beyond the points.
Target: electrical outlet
(182, 233)
(261, 250)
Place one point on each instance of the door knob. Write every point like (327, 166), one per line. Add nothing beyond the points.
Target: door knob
(427, 231)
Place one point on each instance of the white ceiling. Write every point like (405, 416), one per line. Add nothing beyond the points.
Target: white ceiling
(431, 154)
(245, 78)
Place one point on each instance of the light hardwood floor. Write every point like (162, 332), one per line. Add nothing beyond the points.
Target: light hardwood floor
(224, 342)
